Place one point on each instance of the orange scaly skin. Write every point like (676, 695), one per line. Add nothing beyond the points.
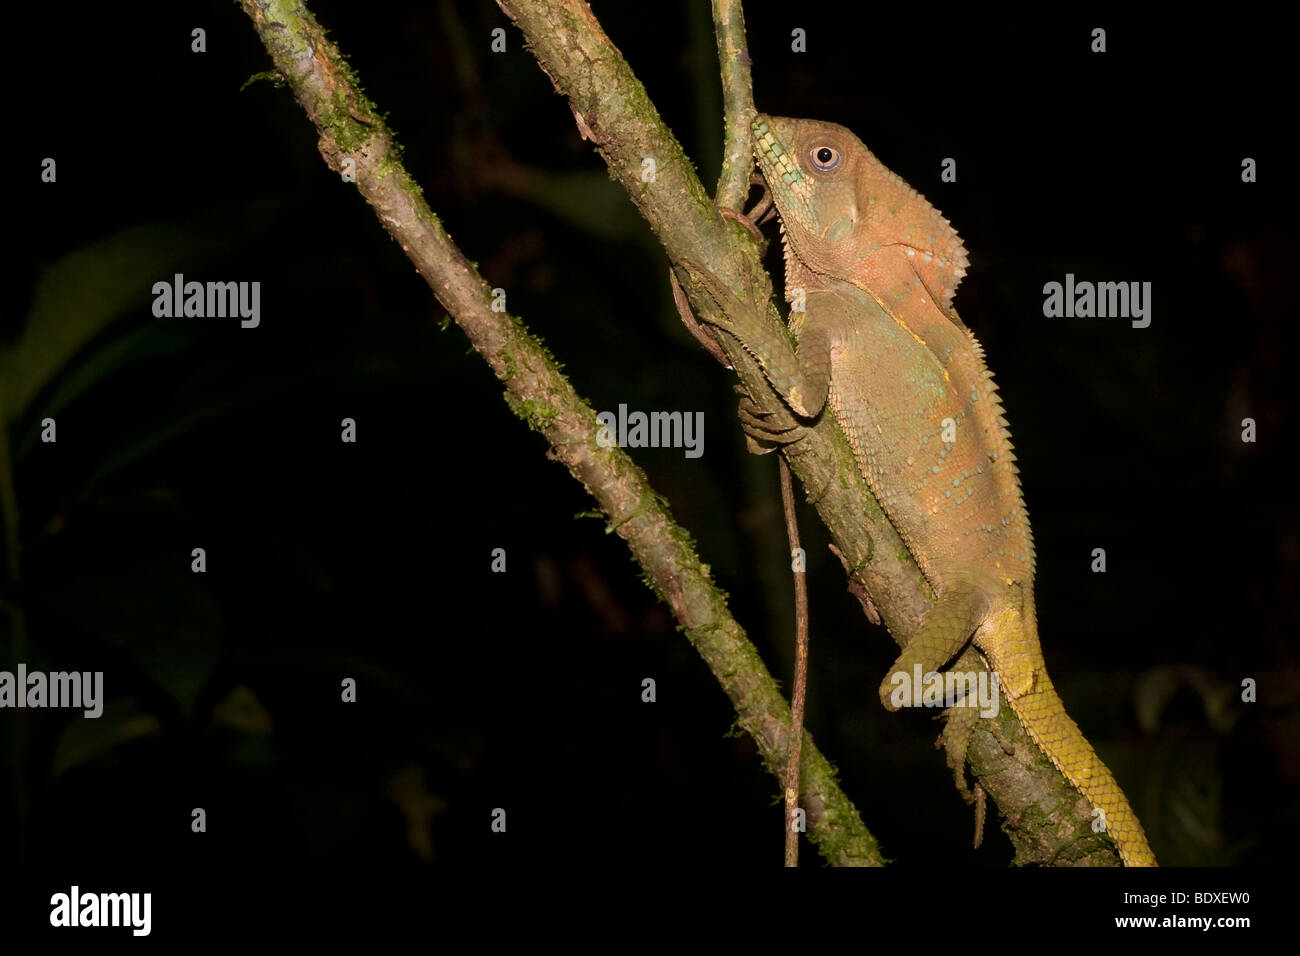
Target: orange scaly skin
(879, 267)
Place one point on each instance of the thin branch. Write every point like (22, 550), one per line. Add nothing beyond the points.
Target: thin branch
(738, 103)
(800, 694)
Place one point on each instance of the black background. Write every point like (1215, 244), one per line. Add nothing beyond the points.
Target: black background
(522, 690)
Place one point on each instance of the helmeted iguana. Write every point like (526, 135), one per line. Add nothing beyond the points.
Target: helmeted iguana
(876, 267)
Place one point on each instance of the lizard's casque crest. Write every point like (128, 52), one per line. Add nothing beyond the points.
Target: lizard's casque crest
(874, 209)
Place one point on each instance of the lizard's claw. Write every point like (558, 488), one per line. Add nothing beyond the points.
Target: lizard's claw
(954, 740)
(752, 219)
(743, 220)
(763, 209)
(774, 428)
(693, 325)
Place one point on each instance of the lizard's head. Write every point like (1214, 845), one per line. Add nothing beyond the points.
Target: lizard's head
(845, 214)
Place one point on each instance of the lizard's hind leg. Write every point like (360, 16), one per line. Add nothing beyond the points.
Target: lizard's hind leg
(944, 629)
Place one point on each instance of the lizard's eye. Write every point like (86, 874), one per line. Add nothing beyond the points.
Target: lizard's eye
(825, 158)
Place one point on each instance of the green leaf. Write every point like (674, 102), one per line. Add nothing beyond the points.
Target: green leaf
(242, 711)
(156, 612)
(78, 296)
(85, 738)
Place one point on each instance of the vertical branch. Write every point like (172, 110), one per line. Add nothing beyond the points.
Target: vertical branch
(738, 103)
(800, 673)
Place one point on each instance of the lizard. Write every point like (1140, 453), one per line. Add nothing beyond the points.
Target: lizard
(875, 268)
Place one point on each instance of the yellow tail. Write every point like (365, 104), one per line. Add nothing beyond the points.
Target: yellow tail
(1043, 715)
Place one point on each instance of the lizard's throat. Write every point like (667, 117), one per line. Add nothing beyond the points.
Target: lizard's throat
(798, 274)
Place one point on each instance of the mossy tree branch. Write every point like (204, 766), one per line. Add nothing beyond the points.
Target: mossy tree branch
(353, 137)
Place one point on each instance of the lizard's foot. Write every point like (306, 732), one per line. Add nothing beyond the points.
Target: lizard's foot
(954, 740)
(776, 428)
(981, 809)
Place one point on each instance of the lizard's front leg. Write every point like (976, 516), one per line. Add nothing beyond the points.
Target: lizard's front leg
(803, 380)
(765, 428)
(750, 221)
